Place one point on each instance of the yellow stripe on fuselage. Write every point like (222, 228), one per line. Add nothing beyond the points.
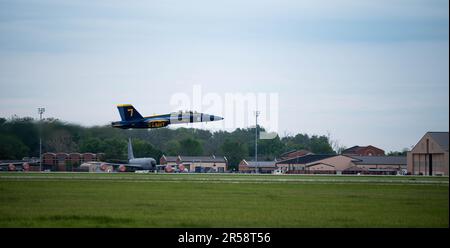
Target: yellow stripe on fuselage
(124, 105)
(151, 116)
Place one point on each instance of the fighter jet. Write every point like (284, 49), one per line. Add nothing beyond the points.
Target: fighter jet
(132, 119)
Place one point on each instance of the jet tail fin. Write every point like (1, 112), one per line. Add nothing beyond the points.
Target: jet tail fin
(130, 150)
(128, 112)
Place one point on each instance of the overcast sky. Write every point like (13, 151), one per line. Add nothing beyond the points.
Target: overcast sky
(368, 72)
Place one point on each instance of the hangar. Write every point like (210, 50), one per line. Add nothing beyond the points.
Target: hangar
(195, 163)
(315, 164)
(262, 166)
(343, 164)
(379, 165)
(430, 155)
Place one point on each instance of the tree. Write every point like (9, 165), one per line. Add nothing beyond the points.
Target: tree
(190, 147)
(162, 138)
(26, 130)
(115, 148)
(315, 144)
(397, 153)
(60, 141)
(320, 145)
(143, 148)
(335, 144)
(12, 148)
(93, 145)
(234, 151)
(269, 149)
(340, 149)
(214, 143)
(297, 142)
(172, 148)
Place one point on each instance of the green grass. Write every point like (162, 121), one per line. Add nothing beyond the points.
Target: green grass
(163, 200)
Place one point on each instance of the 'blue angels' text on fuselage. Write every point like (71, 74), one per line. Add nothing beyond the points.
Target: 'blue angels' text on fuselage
(132, 119)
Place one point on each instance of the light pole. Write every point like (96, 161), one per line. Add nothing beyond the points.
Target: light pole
(40, 111)
(256, 141)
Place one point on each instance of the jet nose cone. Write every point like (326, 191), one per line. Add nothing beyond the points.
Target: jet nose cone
(211, 118)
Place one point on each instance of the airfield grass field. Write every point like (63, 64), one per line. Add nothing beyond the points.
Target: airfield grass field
(221, 200)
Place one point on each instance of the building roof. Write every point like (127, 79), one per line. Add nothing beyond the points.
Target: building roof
(261, 163)
(320, 163)
(381, 160)
(441, 138)
(357, 149)
(302, 151)
(306, 159)
(196, 158)
(352, 149)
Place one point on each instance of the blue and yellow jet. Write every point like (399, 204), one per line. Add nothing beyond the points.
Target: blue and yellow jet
(132, 119)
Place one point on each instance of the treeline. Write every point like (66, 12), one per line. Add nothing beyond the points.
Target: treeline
(19, 137)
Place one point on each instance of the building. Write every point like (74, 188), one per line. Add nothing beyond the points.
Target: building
(316, 164)
(298, 164)
(195, 163)
(48, 159)
(430, 155)
(260, 166)
(88, 157)
(343, 164)
(74, 158)
(294, 154)
(377, 165)
(363, 151)
(63, 161)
